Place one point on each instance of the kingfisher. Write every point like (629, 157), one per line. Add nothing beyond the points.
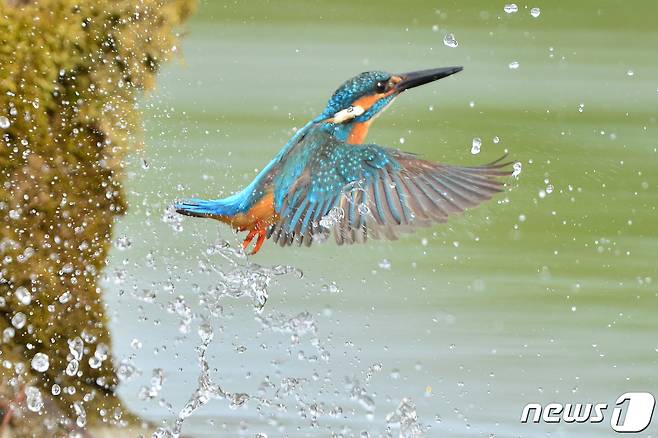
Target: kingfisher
(328, 179)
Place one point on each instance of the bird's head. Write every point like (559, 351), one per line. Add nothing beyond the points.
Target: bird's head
(362, 98)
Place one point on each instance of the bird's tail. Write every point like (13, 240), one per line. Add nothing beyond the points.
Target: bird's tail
(200, 207)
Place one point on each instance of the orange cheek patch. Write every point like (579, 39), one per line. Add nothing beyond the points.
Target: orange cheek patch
(366, 102)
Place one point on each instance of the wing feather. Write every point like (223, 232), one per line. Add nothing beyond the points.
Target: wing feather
(366, 191)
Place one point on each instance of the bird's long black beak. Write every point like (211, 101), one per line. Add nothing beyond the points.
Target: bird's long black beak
(422, 77)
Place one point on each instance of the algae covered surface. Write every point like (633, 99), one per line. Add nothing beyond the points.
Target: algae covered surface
(70, 75)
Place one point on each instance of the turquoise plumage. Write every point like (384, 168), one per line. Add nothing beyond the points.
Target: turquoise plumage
(326, 179)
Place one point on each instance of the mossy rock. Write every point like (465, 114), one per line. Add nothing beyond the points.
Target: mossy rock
(70, 74)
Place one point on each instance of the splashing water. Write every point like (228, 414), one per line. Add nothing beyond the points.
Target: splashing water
(243, 278)
(450, 41)
(40, 362)
(516, 169)
(405, 419)
(33, 398)
(332, 218)
(173, 219)
(476, 145)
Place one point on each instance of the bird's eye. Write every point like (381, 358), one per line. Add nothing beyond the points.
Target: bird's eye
(380, 87)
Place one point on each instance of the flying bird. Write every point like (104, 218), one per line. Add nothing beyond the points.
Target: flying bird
(327, 179)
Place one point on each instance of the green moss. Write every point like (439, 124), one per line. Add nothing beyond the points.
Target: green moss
(70, 73)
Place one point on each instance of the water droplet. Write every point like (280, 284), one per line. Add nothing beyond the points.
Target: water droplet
(76, 347)
(535, 12)
(517, 169)
(496, 139)
(630, 73)
(581, 107)
(4, 122)
(56, 389)
(102, 351)
(406, 419)
(450, 41)
(511, 8)
(81, 420)
(72, 368)
(238, 400)
(152, 391)
(549, 189)
(385, 264)
(8, 334)
(65, 297)
(475, 146)
(40, 362)
(173, 219)
(33, 398)
(514, 65)
(95, 362)
(23, 295)
(205, 332)
(122, 243)
(18, 320)
(331, 288)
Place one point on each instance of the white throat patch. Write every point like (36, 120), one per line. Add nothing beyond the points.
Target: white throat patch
(348, 114)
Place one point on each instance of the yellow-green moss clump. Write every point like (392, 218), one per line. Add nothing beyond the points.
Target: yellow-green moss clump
(70, 73)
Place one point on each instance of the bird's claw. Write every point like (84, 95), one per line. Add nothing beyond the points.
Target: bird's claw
(253, 233)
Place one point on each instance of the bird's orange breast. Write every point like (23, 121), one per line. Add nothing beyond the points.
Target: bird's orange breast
(259, 216)
(359, 132)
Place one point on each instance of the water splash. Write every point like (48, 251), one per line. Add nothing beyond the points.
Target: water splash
(406, 421)
(241, 279)
(476, 145)
(450, 41)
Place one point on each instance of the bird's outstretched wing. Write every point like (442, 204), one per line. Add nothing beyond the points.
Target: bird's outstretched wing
(367, 191)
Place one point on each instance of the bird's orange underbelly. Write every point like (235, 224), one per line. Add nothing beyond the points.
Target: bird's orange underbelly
(259, 216)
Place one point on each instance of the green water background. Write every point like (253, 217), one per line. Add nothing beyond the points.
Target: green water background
(529, 298)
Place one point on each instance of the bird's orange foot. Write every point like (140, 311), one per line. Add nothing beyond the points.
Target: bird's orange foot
(261, 233)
